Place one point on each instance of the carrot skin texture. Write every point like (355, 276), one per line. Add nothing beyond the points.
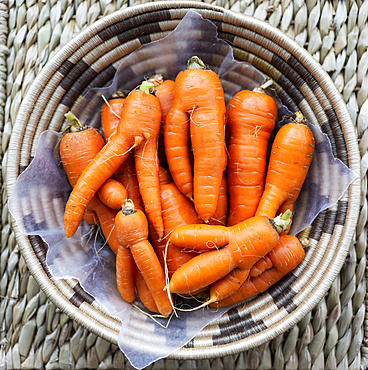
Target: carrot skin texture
(90, 217)
(153, 274)
(201, 237)
(251, 117)
(165, 94)
(291, 155)
(249, 241)
(262, 265)
(140, 118)
(229, 284)
(220, 215)
(127, 175)
(77, 149)
(110, 114)
(144, 293)
(199, 107)
(113, 194)
(177, 210)
(125, 274)
(146, 164)
(289, 250)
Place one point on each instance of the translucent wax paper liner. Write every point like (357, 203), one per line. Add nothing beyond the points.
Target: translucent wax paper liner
(44, 185)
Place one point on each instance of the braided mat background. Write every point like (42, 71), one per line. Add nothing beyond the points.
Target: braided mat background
(35, 334)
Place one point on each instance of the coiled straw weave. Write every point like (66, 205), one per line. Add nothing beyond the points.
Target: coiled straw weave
(60, 325)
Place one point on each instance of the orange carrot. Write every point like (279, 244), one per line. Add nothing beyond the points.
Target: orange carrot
(220, 216)
(144, 293)
(110, 115)
(79, 145)
(286, 256)
(131, 228)
(251, 117)
(248, 242)
(112, 193)
(127, 176)
(140, 120)
(90, 217)
(177, 210)
(165, 94)
(73, 150)
(291, 155)
(199, 108)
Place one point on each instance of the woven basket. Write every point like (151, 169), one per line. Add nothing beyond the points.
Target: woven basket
(301, 85)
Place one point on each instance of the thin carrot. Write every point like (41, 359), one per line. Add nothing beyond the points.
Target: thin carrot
(127, 176)
(247, 241)
(131, 228)
(286, 256)
(199, 107)
(251, 117)
(113, 194)
(140, 121)
(291, 155)
(220, 215)
(177, 210)
(165, 94)
(144, 293)
(110, 114)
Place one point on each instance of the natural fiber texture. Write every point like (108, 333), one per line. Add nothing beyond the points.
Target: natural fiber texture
(35, 333)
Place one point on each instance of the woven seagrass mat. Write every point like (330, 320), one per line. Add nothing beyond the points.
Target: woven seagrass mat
(35, 334)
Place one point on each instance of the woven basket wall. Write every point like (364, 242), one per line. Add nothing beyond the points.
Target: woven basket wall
(302, 84)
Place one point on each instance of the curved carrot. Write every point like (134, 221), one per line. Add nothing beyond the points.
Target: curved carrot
(113, 194)
(287, 254)
(199, 107)
(127, 176)
(291, 155)
(131, 228)
(140, 119)
(251, 117)
(110, 115)
(248, 242)
(220, 215)
(144, 293)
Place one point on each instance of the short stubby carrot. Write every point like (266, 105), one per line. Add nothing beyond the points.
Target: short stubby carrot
(140, 121)
(110, 115)
(287, 254)
(291, 156)
(251, 117)
(131, 229)
(199, 108)
(248, 242)
(113, 193)
(78, 146)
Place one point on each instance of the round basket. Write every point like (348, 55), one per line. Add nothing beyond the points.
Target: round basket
(301, 85)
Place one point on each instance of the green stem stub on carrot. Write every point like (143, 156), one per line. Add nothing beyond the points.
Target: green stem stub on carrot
(282, 221)
(146, 86)
(74, 125)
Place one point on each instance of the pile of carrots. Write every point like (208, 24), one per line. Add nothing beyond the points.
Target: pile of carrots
(184, 191)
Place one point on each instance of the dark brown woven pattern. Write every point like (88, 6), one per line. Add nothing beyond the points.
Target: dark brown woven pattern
(300, 85)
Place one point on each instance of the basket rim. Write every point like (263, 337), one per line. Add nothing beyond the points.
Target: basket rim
(239, 20)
